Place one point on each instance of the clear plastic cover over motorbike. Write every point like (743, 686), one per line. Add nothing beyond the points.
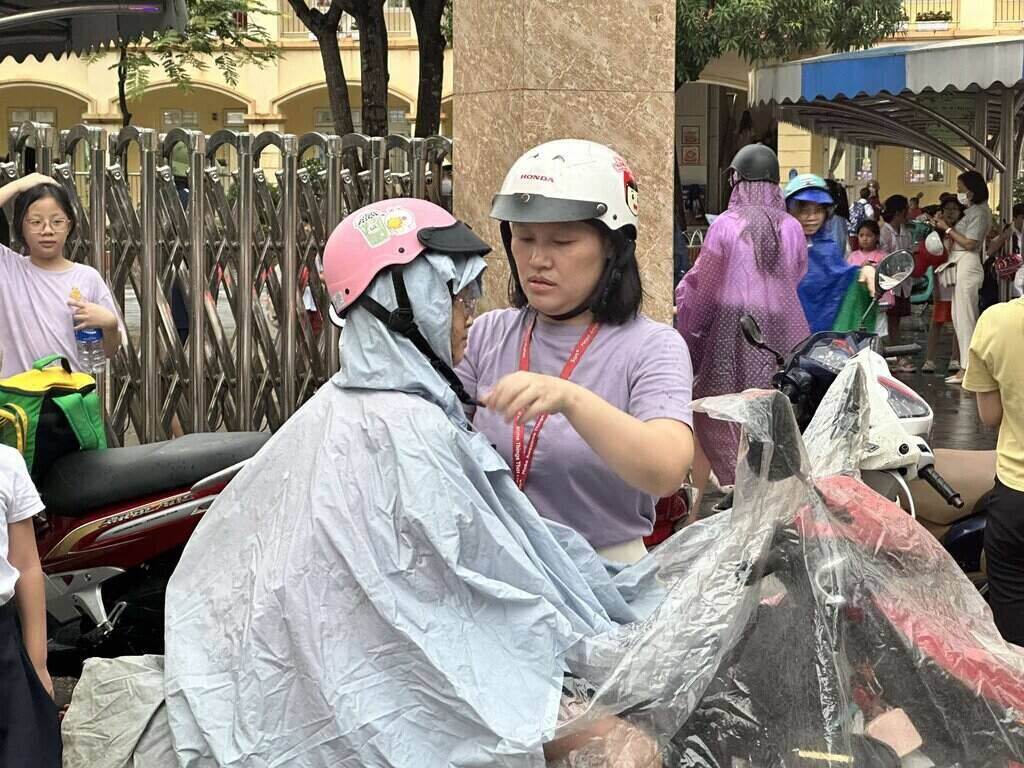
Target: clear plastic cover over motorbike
(854, 428)
(868, 646)
(815, 624)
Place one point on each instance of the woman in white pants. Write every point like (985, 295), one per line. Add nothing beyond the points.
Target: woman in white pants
(968, 239)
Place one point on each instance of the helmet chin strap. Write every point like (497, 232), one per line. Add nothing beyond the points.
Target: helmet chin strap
(625, 249)
(403, 322)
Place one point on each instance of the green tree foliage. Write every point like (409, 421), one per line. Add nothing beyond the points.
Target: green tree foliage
(220, 33)
(762, 30)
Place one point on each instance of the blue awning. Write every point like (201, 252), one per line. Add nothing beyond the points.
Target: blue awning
(940, 98)
(964, 65)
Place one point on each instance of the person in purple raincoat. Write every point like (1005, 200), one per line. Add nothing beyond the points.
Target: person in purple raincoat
(752, 260)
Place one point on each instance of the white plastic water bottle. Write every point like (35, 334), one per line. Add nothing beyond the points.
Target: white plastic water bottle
(90, 350)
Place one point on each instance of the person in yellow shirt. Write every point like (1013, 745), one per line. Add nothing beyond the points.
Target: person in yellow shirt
(995, 373)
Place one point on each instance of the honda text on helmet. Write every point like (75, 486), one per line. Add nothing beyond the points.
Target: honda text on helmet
(567, 181)
(385, 236)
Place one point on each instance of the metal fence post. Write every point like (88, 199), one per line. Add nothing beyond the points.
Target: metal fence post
(289, 270)
(334, 214)
(100, 257)
(417, 168)
(198, 274)
(43, 135)
(377, 166)
(148, 148)
(44, 148)
(246, 277)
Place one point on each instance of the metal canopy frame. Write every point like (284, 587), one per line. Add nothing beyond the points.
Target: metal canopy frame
(903, 120)
(992, 143)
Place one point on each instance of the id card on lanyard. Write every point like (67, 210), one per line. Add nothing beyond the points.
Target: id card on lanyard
(523, 450)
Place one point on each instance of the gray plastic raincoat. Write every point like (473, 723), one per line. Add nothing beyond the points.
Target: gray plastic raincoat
(373, 590)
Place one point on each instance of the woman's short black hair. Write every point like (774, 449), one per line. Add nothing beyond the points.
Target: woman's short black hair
(871, 225)
(838, 192)
(893, 205)
(39, 192)
(975, 184)
(623, 299)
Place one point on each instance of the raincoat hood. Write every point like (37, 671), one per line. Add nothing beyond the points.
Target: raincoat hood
(828, 278)
(375, 358)
(753, 258)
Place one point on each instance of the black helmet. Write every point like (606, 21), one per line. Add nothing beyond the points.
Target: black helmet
(756, 162)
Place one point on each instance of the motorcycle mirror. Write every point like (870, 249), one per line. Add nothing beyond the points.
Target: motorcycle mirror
(894, 270)
(751, 331)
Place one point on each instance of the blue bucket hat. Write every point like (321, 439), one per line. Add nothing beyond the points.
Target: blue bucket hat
(810, 188)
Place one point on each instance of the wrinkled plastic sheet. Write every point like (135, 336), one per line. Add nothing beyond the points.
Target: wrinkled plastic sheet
(868, 646)
(854, 429)
(814, 624)
(118, 718)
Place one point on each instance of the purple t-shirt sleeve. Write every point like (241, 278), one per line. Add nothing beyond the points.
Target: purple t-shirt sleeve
(661, 380)
(466, 369)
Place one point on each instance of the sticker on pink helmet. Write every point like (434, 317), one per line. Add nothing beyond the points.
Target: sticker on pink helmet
(377, 227)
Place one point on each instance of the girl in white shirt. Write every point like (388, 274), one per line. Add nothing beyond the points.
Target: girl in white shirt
(29, 727)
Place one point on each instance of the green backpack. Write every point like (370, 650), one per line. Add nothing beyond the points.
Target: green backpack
(48, 412)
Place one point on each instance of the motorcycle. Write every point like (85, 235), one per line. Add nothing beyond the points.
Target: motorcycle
(852, 657)
(115, 524)
(811, 369)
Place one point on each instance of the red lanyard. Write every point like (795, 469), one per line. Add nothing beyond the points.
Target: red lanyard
(522, 459)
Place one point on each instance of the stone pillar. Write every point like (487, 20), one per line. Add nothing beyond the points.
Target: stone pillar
(529, 71)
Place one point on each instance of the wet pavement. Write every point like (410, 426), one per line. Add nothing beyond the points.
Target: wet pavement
(956, 414)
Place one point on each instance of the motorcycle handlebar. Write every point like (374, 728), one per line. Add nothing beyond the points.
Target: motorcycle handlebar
(944, 489)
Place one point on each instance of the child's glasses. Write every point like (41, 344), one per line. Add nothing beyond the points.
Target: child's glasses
(35, 226)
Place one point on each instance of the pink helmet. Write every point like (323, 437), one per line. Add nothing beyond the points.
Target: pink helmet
(386, 234)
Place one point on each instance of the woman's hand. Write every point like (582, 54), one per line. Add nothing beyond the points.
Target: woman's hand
(867, 276)
(524, 396)
(941, 225)
(89, 315)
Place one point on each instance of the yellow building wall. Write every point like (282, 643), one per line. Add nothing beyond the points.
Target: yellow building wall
(800, 150)
(280, 96)
(68, 107)
(892, 177)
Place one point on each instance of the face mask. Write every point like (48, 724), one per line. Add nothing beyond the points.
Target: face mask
(962, 197)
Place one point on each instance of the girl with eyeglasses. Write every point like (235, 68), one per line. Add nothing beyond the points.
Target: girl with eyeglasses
(44, 297)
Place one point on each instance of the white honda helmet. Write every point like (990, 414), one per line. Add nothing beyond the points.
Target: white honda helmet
(569, 180)
(573, 180)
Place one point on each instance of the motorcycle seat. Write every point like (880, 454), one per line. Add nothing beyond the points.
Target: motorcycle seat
(82, 482)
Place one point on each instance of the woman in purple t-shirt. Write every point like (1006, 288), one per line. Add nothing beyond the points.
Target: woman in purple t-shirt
(587, 400)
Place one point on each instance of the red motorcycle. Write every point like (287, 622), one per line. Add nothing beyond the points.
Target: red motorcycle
(115, 524)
